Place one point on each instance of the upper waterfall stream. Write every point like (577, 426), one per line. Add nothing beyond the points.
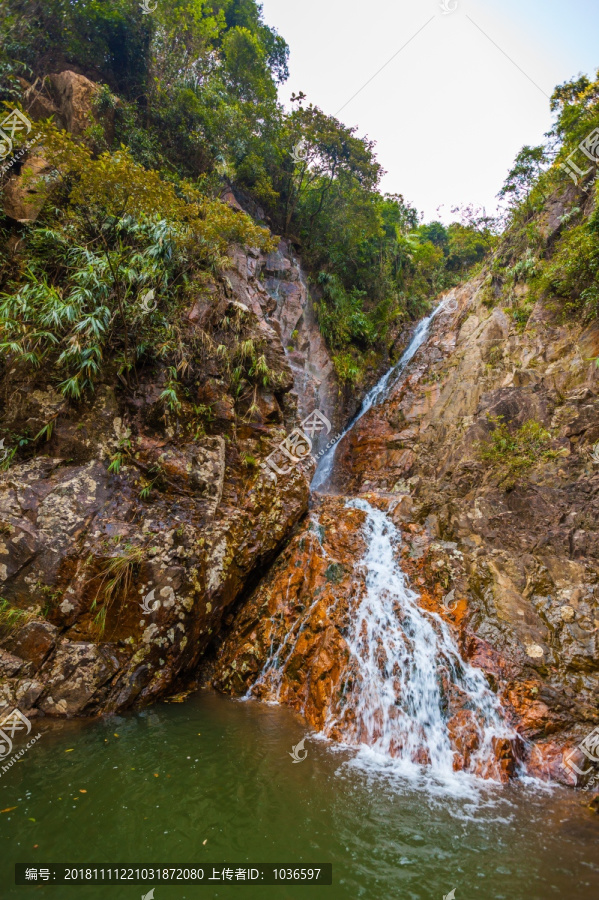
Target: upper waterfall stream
(374, 396)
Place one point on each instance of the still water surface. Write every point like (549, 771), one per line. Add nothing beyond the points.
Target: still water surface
(225, 776)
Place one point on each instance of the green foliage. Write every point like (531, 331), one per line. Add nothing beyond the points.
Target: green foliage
(514, 453)
(115, 578)
(169, 395)
(437, 234)
(110, 40)
(11, 617)
(569, 92)
(124, 448)
(122, 232)
(333, 163)
(347, 368)
(528, 166)
(470, 239)
(347, 328)
(341, 315)
(564, 268)
(196, 107)
(572, 274)
(526, 267)
(520, 315)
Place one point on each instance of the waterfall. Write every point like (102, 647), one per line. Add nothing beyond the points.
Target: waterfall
(375, 396)
(406, 675)
(406, 693)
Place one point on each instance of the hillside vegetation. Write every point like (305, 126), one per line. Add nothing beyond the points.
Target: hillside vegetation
(190, 92)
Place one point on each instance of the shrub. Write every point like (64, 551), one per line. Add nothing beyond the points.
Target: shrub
(514, 453)
(123, 235)
(573, 272)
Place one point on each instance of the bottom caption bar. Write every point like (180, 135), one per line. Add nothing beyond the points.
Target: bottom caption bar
(101, 873)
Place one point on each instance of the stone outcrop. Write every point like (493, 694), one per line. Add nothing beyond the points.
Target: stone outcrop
(124, 580)
(276, 284)
(69, 99)
(74, 97)
(308, 356)
(302, 607)
(81, 547)
(118, 578)
(25, 194)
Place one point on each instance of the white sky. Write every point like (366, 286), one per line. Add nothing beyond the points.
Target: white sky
(450, 112)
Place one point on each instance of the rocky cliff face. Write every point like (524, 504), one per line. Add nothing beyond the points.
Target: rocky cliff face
(501, 544)
(115, 578)
(82, 548)
(291, 313)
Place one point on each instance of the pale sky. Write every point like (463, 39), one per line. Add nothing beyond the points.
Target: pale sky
(451, 111)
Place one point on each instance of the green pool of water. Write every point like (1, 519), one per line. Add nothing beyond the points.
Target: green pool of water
(211, 780)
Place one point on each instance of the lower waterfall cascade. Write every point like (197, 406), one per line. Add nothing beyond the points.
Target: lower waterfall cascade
(406, 663)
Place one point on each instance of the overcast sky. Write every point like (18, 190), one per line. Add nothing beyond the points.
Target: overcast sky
(451, 110)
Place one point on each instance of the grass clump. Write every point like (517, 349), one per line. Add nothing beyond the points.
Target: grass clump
(116, 575)
(12, 618)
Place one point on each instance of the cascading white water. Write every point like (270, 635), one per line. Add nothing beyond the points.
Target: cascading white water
(405, 676)
(375, 396)
(403, 666)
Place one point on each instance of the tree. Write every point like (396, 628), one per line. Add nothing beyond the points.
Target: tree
(569, 92)
(524, 174)
(467, 246)
(436, 233)
(327, 154)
